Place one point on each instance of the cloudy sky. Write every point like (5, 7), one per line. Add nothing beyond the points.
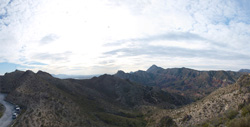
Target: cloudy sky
(103, 36)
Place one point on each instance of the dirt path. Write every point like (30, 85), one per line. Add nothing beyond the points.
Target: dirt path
(6, 119)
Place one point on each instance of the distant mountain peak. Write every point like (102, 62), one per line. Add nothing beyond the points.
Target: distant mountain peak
(245, 70)
(154, 68)
(154, 65)
(120, 71)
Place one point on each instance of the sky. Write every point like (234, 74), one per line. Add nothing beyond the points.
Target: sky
(102, 36)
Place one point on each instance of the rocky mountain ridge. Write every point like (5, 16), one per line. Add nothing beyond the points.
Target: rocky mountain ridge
(100, 101)
(188, 82)
(110, 101)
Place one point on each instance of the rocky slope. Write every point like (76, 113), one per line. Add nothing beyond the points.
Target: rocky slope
(219, 108)
(101, 101)
(188, 82)
(8, 82)
(44, 104)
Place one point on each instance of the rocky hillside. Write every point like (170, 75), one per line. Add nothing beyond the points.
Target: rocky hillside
(8, 82)
(223, 107)
(188, 82)
(105, 101)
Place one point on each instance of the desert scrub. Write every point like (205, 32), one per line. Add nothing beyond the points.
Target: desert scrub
(166, 121)
(121, 121)
(240, 122)
(214, 122)
(240, 106)
(205, 125)
(231, 114)
(245, 110)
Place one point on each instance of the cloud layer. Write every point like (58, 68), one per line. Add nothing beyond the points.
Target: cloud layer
(102, 36)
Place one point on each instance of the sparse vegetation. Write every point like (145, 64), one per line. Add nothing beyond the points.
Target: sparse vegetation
(166, 121)
(121, 121)
(224, 106)
(240, 122)
(1, 110)
(231, 114)
(245, 110)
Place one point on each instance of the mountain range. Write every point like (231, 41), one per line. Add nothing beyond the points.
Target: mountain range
(154, 98)
(187, 82)
(101, 101)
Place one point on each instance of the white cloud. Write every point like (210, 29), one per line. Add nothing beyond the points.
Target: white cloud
(183, 44)
(49, 38)
(74, 33)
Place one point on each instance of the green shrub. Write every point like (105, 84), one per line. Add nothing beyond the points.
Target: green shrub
(241, 106)
(116, 120)
(205, 125)
(230, 114)
(216, 122)
(240, 122)
(1, 114)
(1, 110)
(245, 110)
(167, 121)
